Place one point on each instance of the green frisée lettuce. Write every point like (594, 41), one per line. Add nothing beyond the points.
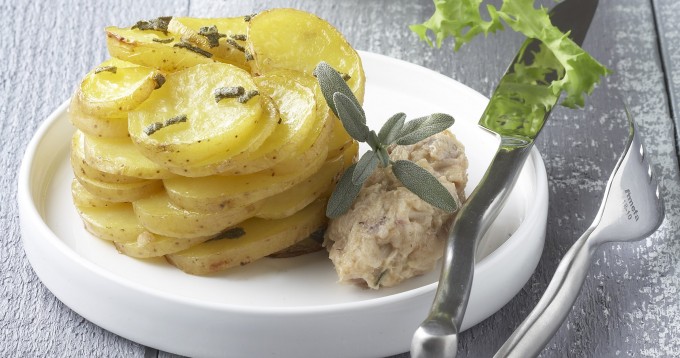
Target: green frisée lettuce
(462, 20)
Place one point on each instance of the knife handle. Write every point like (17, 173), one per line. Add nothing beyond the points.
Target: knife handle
(437, 335)
(547, 317)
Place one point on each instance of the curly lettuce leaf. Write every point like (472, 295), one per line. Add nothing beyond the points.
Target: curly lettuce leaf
(523, 97)
(462, 20)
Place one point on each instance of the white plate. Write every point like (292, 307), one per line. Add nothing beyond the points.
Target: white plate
(275, 307)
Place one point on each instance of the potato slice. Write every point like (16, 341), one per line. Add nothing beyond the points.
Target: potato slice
(209, 131)
(115, 87)
(297, 40)
(217, 192)
(96, 126)
(120, 157)
(260, 238)
(83, 198)
(79, 164)
(222, 45)
(297, 131)
(302, 194)
(159, 216)
(150, 245)
(266, 125)
(351, 153)
(118, 192)
(112, 223)
(154, 49)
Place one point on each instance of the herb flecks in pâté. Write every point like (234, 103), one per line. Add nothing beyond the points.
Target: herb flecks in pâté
(396, 131)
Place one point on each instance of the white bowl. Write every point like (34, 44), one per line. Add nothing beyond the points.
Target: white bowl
(275, 307)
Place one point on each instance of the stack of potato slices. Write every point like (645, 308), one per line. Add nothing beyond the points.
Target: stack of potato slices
(208, 141)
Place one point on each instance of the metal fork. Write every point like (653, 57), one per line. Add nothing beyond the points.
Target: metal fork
(631, 210)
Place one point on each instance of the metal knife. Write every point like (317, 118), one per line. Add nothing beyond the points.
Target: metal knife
(516, 119)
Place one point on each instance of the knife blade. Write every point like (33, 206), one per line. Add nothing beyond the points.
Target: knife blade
(516, 113)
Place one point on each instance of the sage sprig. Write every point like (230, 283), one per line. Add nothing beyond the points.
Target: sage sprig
(395, 131)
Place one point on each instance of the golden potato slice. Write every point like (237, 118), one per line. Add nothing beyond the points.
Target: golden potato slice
(302, 194)
(115, 87)
(120, 157)
(225, 41)
(80, 164)
(118, 192)
(297, 131)
(183, 125)
(351, 153)
(217, 192)
(156, 49)
(297, 40)
(150, 245)
(113, 223)
(159, 216)
(96, 126)
(83, 198)
(266, 125)
(249, 241)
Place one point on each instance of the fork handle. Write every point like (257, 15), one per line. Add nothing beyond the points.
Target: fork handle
(534, 333)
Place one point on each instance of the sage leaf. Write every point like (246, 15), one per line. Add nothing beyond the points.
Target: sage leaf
(391, 129)
(418, 129)
(373, 141)
(344, 194)
(331, 82)
(420, 182)
(365, 167)
(352, 117)
(383, 156)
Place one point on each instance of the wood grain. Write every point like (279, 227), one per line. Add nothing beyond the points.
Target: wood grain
(629, 304)
(668, 29)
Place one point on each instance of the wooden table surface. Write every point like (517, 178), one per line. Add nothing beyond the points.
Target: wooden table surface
(630, 303)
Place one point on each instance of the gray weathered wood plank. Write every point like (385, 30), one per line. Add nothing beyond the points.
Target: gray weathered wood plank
(668, 27)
